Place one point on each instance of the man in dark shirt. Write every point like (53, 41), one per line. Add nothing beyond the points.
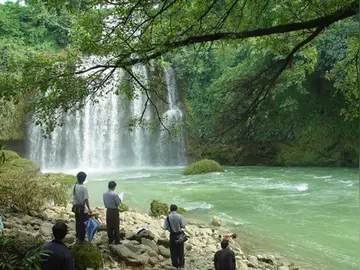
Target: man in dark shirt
(225, 259)
(59, 256)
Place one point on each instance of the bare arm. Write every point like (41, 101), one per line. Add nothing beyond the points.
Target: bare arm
(87, 205)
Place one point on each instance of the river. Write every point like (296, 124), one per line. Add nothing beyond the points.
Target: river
(308, 215)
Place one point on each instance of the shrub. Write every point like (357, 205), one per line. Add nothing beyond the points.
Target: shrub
(158, 208)
(24, 189)
(21, 253)
(86, 256)
(123, 207)
(203, 166)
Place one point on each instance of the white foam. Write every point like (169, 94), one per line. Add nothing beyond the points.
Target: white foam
(323, 177)
(302, 187)
(197, 205)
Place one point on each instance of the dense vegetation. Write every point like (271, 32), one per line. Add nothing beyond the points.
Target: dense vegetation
(264, 82)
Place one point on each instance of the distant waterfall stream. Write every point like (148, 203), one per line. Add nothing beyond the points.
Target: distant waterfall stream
(98, 138)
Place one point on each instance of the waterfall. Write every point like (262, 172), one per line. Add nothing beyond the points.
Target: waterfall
(174, 149)
(98, 138)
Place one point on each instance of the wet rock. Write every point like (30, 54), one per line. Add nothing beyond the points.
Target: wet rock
(144, 234)
(216, 221)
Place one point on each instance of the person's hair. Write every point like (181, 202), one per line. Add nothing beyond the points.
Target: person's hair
(81, 176)
(59, 230)
(173, 207)
(224, 243)
(233, 236)
(111, 184)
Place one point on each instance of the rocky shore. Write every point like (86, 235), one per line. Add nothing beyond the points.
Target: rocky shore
(148, 249)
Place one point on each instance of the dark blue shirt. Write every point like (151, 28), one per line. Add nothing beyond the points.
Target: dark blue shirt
(59, 257)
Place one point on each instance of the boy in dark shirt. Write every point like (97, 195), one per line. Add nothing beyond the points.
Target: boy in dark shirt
(224, 259)
(59, 256)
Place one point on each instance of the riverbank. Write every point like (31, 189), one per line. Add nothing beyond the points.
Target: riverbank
(146, 250)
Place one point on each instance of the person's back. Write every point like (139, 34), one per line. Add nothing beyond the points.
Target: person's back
(224, 259)
(58, 255)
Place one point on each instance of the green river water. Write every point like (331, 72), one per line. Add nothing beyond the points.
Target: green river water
(308, 215)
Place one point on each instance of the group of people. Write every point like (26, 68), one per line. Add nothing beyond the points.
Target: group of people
(60, 257)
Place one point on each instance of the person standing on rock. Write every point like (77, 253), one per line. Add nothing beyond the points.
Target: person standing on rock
(112, 202)
(81, 206)
(174, 223)
(57, 255)
(224, 259)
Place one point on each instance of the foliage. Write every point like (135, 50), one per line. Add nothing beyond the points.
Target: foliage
(24, 189)
(86, 256)
(203, 166)
(21, 251)
(118, 31)
(123, 207)
(158, 208)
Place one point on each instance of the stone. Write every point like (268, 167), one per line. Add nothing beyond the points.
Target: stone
(169, 267)
(46, 230)
(164, 251)
(163, 242)
(146, 234)
(242, 265)
(69, 239)
(149, 243)
(216, 221)
(126, 254)
(284, 267)
(153, 260)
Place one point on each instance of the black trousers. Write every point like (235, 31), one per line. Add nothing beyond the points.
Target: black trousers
(80, 219)
(176, 252)
(113, 225)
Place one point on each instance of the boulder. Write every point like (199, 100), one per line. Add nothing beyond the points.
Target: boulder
(242, 265)
(126, 254)
(149, 243)
(216, 221)
(284, 267)
(46, 230)
(144, 234)
(164, 251)
(158, 208)
(203, 166)
(253, 261)
(163, 242)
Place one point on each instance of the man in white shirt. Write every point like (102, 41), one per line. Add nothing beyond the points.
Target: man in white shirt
(81, 206)
(112, 202)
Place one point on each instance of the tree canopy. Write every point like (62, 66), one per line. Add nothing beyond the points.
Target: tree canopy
(278, 34)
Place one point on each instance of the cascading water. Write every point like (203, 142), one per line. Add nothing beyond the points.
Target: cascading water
(98, 138)
(173, 120)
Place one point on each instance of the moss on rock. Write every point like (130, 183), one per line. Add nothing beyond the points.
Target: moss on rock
(123, 207)
(203, 166)
(15, 166)
(86, 256)
(181, 211)
(158, 208)
(66, 180)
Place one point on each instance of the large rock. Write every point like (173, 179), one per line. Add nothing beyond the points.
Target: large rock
(126, 254)
(216, 221)
(144, 234)
(284, 267)
(46, 230)
(149, 243)
(242, 265)
(203, 166)
(163, 242)
(164, 251)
